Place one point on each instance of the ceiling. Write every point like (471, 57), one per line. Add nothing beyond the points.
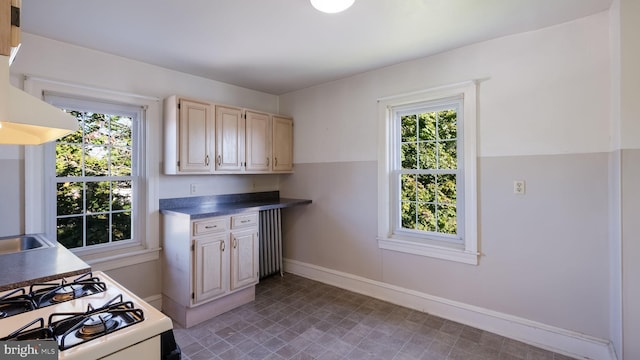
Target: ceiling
(278, 46)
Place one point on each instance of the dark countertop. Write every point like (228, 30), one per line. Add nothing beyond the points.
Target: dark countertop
(39, 265)
(208, 206)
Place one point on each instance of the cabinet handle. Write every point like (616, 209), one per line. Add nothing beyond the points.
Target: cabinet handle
(211, 226)
(275, 161)
(222, 246)
(267, 161)
(235, 243)
(219, 160)
(244, 221)
(206, 160)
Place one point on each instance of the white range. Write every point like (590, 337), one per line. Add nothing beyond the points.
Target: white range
(90, 317)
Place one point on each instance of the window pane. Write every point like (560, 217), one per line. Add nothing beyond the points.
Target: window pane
(121, 226)
(408, 186)
(427, 126)
(426, 188)
(426, 217)
(447, 189)
(122, 195)
(96, 160)
(427, 155)
(408, 156)
(120, 161)
(121, 131)
(69, 232)
(447, 219)
(408, 128)
(447, 128)
(97, 229)
(408, 214)
(447, 155)
(96, 129)
(98, 196)
(69, 198)
(68, 160)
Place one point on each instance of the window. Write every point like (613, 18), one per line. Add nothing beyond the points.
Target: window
(132, 192)
(427, 173)
(96, 187)
(96, 179)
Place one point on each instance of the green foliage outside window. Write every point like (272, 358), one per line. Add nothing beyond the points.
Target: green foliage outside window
(429, 159)
(93, 181)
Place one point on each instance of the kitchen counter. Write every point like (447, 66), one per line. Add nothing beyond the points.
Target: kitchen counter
(39, 265)
(207, 206)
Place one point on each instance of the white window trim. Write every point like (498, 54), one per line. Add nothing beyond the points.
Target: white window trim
(117, 255)
(467, 251)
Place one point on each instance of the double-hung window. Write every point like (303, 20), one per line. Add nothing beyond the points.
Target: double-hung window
(95, 176)
(427, 173)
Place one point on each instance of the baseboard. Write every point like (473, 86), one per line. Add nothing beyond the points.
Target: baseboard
(548, 337)
(154, 300)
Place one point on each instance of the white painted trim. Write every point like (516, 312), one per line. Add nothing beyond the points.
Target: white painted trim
(123, 260)
(154, 300)
(453, 253)
(548, 337)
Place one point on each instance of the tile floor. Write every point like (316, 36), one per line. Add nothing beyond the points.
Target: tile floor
(297, 318)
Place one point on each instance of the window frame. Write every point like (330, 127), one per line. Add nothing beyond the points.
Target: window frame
(137, 113)
(389, 238)
(36, 212)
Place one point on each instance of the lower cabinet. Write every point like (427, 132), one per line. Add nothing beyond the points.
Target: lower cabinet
(210, 265)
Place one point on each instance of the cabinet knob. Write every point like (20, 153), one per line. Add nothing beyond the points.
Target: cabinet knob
(267, 161)
(222, 246)
(219, 160)
(235, 243)
(206, 160)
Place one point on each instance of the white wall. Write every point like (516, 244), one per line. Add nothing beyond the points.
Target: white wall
(54, 60)
(544, 109)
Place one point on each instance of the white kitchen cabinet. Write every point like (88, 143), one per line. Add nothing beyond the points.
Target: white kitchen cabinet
(210, 265)
(258, 141)
(244, 250)
(188, 128)
(282, 144)
(201, 137)
(230, 135)
(210, 262)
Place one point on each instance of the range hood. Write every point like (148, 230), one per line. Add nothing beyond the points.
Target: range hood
(24, 119)
(27, 120)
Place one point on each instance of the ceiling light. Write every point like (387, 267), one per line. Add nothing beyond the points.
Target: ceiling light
(332, 6)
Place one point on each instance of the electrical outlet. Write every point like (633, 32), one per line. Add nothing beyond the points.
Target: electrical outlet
(193, 189)
(518, 187)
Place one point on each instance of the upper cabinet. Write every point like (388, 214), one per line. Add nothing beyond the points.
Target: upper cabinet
(229, 139)
(207, 138)
(258, 141)
(188, 136)
(282, 143)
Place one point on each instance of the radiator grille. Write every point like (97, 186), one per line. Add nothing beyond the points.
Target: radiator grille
(270, 233)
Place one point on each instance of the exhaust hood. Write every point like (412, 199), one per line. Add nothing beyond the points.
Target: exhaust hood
(27, 120)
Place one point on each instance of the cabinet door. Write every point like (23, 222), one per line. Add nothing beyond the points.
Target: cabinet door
(195, 127)
(244, 258)
(282, 144)
(211, 267)
(258, 141)
(229, 138)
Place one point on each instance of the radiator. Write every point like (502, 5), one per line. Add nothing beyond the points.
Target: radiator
(270, 234)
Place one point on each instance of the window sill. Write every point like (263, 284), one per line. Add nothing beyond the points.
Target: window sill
(451, 252)
(111, 262)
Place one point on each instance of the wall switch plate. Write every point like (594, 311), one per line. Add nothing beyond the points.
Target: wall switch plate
(518, 187)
